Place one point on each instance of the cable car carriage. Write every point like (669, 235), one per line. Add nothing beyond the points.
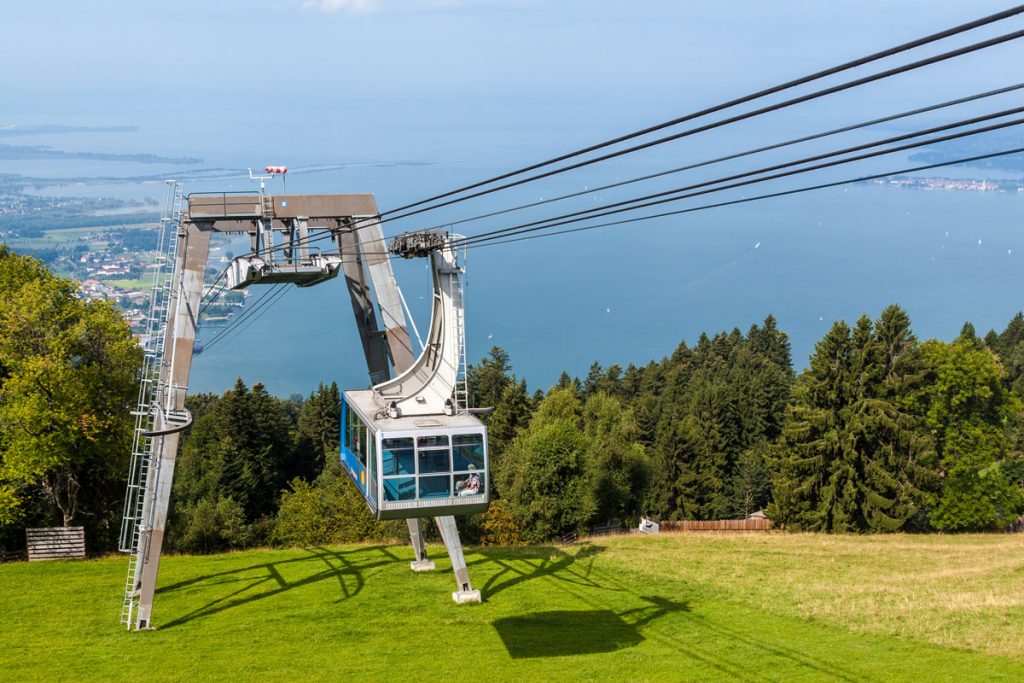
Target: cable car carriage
(414, 466)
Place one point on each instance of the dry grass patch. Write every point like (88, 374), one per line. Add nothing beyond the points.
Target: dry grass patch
(955, 591)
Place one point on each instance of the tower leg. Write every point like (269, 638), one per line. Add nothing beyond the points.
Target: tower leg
(422, 563)
(193, 250)
(450, 534)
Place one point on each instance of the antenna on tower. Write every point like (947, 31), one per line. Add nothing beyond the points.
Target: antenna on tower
(262, 179)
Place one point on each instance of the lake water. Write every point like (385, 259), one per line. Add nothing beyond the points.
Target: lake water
(631, 293)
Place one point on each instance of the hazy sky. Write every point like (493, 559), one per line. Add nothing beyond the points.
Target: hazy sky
(485, 86)
(102, 56)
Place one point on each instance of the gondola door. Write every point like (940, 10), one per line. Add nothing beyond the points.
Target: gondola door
(358, 454)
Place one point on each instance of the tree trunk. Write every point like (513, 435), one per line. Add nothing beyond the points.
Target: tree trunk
(61, 490)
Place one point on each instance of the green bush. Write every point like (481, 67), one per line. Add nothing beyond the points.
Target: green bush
(210, 525)
(327, 511)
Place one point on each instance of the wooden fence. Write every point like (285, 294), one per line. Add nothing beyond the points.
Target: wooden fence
(752, 524)
(607, 529)
(55, 543)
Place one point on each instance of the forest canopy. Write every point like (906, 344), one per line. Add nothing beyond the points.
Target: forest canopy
(880, 433)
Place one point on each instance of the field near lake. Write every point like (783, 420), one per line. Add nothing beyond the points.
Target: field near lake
(674, 607)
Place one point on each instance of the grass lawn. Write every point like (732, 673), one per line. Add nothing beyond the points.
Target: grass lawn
(48, 242)
(62, 237)
(674, 607)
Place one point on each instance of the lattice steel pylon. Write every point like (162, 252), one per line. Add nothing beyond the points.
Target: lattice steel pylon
(145, 451)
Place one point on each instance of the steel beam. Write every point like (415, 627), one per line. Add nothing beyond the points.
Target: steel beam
(450, 534)
(375, 346)
(225, 207)
(375, 252)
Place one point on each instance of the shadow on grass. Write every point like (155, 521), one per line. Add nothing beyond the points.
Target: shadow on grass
(766, 644)
(345, 567)
(564, 633)
(529, 563)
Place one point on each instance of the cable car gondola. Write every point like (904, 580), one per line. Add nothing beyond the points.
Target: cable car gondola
(414, 466)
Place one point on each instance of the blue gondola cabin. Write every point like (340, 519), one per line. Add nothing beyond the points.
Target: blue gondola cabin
(417, 466)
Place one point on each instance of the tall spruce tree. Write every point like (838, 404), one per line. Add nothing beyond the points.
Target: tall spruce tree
(488, 380)
(511, 415)
(813, 437)
(319, 431)
(854, 454)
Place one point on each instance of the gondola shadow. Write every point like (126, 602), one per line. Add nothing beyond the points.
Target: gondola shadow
(346, 567)
(564, 633)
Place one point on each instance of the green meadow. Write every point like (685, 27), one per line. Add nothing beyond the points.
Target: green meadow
(775, 607)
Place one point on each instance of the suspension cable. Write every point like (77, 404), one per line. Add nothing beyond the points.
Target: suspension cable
(738, 155)
(772, 195)
(259, 303)
(846, 66)
(967, 49)
(732, 119)
(601, 212)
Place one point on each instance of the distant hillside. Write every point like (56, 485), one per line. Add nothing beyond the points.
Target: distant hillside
(26, 152)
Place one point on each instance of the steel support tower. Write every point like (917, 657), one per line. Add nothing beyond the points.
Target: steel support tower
(352, 223)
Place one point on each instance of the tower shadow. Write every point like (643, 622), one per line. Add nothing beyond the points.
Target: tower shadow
(536, 563)
(346, 567)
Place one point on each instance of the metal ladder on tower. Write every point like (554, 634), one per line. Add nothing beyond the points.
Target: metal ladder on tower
(461, 390)
(133, 523)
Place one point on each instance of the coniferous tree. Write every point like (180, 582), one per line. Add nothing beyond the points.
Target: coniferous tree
(750, 484)
(705, 407)
(319, 425)
(898, 457)
(675, 486)
(632, 381)
(1009, 348)
(611, 382)
(488, 380)
(245, 448)
(813, 437)
(647, 411)
(511, 415)
(592, 382)
(854, 454)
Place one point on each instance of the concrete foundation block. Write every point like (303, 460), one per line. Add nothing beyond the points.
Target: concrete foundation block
(465, 597)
